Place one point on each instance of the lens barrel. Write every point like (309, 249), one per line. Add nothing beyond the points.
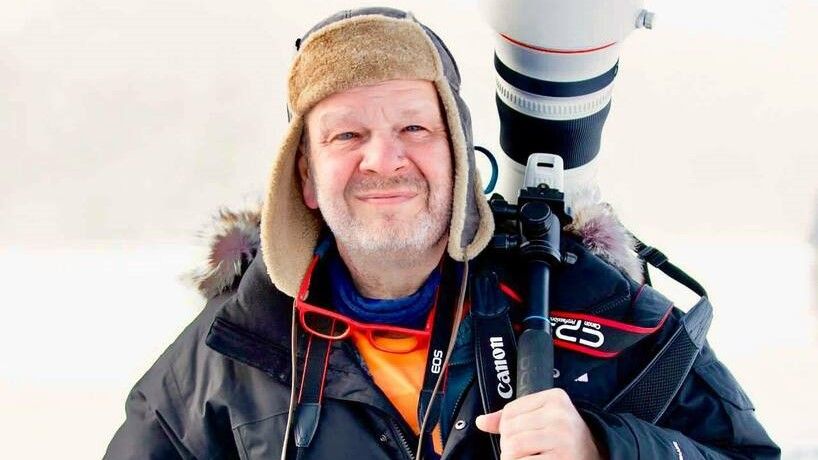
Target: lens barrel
(555, 64)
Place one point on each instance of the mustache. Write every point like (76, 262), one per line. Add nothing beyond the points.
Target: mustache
(406, 182)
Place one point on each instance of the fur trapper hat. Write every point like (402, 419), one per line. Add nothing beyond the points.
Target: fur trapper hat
(347, 50)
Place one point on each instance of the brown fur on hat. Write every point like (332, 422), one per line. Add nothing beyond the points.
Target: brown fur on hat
(357, 51)
(341, 56)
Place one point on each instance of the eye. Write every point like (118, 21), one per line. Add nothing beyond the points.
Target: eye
(346, 136)
(414, 128)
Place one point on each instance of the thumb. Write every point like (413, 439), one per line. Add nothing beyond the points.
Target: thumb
(490, 423)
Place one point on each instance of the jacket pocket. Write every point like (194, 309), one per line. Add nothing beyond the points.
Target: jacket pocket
(340, 435)
(261, 439)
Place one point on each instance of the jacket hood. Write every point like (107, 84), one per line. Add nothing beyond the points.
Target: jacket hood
(357, 48)
(233, 241)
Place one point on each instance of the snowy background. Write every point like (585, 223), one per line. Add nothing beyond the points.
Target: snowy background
(125, 124)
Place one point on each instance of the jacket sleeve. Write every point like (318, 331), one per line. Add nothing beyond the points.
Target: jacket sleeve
(710, 418)
(172, 412)
(144, 434)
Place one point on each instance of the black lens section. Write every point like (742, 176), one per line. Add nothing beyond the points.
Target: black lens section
(576, 141)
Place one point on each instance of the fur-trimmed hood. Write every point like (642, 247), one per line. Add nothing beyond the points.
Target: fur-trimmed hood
(233, 241)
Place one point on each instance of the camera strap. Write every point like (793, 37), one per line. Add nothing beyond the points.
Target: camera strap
(658, 259)
(650, 393)
(495, 345)
(596, 336)
(311, 391)
(446, 296)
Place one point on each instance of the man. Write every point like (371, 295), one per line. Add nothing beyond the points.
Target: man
(332, 343)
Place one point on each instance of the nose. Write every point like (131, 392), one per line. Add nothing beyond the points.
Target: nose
(384, 155)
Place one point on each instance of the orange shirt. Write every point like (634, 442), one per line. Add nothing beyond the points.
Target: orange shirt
(400, 376)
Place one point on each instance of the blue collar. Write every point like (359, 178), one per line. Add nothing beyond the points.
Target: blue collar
(410, 311)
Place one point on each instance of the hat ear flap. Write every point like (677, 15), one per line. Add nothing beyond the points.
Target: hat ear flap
(289, 228)
(472, 224)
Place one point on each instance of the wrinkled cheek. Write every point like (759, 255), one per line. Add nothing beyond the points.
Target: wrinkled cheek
(350, 206)
(440, 198)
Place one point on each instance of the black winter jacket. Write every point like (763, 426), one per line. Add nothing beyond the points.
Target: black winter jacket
(221, 390)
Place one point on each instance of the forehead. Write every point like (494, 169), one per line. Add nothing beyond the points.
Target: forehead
(396, 97)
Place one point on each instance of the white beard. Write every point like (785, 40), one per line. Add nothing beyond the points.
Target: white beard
(387, 235)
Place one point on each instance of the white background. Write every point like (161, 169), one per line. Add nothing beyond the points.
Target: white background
(125, 124)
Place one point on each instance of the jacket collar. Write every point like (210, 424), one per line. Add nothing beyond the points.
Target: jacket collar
(253, 327)
(258, 308)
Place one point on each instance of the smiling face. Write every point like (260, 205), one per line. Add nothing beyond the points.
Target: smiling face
(378, 166)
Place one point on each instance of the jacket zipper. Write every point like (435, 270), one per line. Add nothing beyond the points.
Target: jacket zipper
(394, 426)
(396, 431)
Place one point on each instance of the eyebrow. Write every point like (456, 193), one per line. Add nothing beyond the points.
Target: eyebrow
(340, 115)
(336, 115)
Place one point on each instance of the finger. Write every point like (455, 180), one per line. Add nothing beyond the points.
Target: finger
(540, 419)
(524, 444)
(490, 423)
(562, 432)
(534, 401)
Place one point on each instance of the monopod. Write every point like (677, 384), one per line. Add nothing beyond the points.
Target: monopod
(534, 225)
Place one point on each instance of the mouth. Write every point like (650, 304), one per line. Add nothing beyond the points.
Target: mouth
(387, 197)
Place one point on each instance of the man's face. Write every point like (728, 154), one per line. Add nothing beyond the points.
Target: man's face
(379, 167)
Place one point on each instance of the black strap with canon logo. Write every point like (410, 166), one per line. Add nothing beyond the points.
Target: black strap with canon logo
(495, 345)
